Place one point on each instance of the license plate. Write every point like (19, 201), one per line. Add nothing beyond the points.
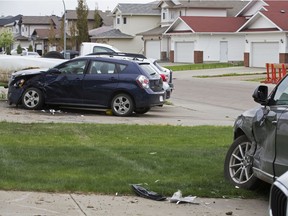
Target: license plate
(161, 98)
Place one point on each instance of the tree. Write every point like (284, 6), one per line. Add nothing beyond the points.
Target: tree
(30, 48)
(82, 23)
(6, 39)
(52, 34)
(73, 35)
(19, 49)
(98, 21)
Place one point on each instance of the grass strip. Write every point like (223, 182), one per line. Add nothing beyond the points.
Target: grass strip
(106, 159)
(202, 66)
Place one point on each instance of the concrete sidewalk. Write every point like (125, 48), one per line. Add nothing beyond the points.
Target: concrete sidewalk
(13, 203)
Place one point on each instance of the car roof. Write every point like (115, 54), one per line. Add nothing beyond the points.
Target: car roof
(108, 58)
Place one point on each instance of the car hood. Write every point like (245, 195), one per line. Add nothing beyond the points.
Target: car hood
(33, 71)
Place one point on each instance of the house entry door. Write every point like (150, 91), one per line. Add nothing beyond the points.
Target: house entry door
(223, 51)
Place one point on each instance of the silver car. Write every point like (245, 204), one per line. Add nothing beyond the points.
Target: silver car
(260, 147)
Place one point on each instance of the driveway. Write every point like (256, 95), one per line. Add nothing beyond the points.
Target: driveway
(195, 101)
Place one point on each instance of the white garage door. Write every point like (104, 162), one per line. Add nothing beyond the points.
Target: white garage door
(262, 53)
(153, 49)
(184, 52)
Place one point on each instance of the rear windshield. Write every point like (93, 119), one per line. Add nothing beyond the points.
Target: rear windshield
(149, 69)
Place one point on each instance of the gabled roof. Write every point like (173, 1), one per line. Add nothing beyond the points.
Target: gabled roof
(99, 30)
(35, 20)
(231, 6)
(113, 33)
(200, 24)
(8, 20)
(44, 33)
(276, 13)
(137, 9)
(158, 31)
(106, 19)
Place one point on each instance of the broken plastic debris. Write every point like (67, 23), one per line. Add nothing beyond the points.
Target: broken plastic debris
(142, 192)
(52, 111)
(177, 198)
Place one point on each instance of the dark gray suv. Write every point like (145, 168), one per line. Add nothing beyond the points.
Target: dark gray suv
(260, 147)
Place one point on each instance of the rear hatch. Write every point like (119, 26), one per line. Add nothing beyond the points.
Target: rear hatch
(155, 80)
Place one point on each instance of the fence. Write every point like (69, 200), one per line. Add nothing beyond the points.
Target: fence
(275, 72)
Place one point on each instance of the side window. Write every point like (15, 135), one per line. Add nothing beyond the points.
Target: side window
(99, 67)
(74, 67)
(124, 20)
(281, 95)
(101, 49)
(122, 67)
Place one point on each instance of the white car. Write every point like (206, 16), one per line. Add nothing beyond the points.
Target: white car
(14, 51)
(31, 54)
(278, 196)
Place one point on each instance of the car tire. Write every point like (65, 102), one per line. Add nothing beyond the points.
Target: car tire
(32, 99)
(142, 110)
(122, 105)
(238, 166)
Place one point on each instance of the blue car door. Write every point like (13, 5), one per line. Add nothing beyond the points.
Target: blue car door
(100, 82)
(65, 87)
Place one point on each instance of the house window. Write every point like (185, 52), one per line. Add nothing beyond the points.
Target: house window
(118, 20)
(163, 16)
(180, 13)
(124, 20)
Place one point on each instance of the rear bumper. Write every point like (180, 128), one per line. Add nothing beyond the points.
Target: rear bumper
(150, 99)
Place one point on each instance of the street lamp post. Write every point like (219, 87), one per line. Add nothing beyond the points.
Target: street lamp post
(64, 29)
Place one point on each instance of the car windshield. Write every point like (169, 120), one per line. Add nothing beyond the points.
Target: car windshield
(281, 94)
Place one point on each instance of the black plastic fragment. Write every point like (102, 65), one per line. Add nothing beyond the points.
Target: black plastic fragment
(142, 192)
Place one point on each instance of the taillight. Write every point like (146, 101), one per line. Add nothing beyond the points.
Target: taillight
(143, 81)
(164, 78)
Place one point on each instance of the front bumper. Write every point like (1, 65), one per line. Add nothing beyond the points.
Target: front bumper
(14, 95)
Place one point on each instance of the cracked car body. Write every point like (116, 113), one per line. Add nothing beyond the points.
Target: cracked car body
(89, 82)
(266, 129)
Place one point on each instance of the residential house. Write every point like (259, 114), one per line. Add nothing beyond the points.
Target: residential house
(29, 26)
(128, 21)
(38, 30)
(178, 41)
(9, 24)
(71, 17)
(257, 34)
(266, 33)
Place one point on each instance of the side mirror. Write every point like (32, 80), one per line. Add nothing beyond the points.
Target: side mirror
(54, 71)
(260, 95)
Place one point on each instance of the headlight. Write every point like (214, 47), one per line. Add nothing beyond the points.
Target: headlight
(19, 83)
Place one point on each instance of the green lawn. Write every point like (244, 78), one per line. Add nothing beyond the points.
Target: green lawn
(106, 159)
(202, 66)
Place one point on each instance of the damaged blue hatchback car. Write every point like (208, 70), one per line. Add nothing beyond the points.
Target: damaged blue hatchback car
(260, 147)
(91, 82)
